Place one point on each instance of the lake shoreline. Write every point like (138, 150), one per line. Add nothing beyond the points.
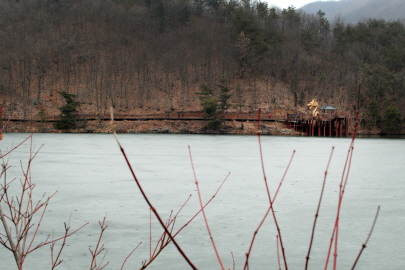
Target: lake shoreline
(168, 127)
(155, 127)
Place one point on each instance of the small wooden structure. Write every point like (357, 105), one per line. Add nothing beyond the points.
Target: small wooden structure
(330, 122)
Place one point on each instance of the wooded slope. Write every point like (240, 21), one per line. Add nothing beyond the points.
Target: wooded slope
(154, 55)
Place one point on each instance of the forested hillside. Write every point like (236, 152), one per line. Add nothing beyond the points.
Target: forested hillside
(154, 55)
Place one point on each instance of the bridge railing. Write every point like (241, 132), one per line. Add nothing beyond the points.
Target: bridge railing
(193, 115)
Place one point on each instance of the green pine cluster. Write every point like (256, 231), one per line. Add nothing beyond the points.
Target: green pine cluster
(215, 105)
(68, 112)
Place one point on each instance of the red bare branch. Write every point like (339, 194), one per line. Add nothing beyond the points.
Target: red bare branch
(203, 212)
(318, 208)
(368, 238)
(129, 255)
(147, 200)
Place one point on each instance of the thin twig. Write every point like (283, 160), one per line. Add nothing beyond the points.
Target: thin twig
(18, 145)
(60, 238)
(368, 238)
(162, 240)
(203, 212)
(278, 253)
(129, 255)
(318, 208)
(233, 261)
(205, 205)
(99, 248)
(271, 201)
(345, 176)
(150, 233)
(56, 261)
(162, 243)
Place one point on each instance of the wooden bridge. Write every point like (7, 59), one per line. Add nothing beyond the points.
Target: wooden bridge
(336, 123)
(175, 115)
(333, 124)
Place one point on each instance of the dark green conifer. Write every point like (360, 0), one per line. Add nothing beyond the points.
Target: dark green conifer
(68, 112)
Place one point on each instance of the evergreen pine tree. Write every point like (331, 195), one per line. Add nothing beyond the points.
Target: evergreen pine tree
(68, 113)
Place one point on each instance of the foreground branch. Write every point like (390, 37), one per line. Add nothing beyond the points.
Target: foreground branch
(368, 238)
(146, 198)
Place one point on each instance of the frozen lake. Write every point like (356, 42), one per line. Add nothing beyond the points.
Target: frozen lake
(93, 181)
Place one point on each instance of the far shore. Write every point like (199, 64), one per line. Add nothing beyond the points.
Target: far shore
(168, 127)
